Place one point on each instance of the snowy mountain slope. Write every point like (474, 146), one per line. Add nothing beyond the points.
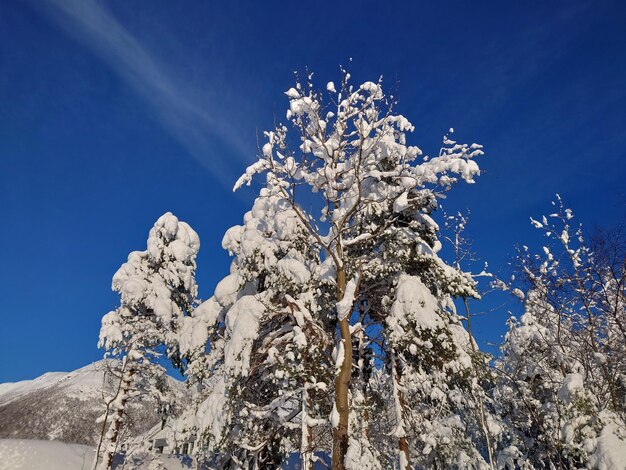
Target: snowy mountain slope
(83, 379)
(64, 406)
(13, 390)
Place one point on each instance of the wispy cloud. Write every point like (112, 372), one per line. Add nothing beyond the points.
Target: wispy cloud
(180, 108)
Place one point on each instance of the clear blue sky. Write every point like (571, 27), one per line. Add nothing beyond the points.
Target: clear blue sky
(112, 113)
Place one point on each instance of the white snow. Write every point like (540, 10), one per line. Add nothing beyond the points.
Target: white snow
(610, 453)
(9, 391)
(518, 293)
(294, 269)
(212, 413)
(338, 355)
(413, 302)
(401, 203)
(193, 335)
(344, 306)
(88, 377)
(23, 454)
(373, 89)
(226, 290)
(194, 331)
(242, 322)
(571, 383)
(292, 93)
(334, 417)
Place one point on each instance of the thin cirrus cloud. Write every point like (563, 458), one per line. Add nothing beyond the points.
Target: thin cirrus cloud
(178, 107)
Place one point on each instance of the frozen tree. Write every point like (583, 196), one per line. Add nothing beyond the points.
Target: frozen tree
(342, 167)
(431, 363)
(483, 377)
(158, 290)
(563, 365)
(269, 368)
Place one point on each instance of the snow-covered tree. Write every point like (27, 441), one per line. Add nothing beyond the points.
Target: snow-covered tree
(430, 361)
(158, 291)
(483, 377)
(268, 369)
(563, 366)
(342, 168)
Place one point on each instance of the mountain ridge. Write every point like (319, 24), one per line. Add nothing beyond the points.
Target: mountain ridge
(64, 406)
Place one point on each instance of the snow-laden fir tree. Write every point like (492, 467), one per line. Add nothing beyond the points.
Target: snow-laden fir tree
(267, 372)
(435, 390)
(157, 290)
(360, 239)
(563, 366)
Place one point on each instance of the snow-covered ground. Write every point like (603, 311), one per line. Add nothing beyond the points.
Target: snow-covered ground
(22, 454)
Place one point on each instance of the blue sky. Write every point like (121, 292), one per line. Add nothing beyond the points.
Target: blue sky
(116, 112)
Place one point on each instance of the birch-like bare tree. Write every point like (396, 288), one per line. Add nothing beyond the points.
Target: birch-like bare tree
(563, 368)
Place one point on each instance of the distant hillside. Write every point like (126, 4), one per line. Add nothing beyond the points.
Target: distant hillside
(64, 406)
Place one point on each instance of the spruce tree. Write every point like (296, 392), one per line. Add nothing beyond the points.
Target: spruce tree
(158, 291)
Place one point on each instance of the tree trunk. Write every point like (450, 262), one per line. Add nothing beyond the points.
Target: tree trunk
(342, 383)
(366, 416)
(306, 444)
(103, 430)
(403, 447)
(403, 444)
(479, 399)
(113, 433)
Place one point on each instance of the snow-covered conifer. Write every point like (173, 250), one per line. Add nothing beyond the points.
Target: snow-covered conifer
(157, 290)
(270, 353)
